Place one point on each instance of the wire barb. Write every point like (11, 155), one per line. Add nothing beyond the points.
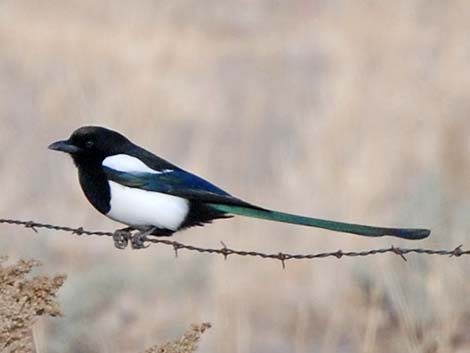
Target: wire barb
(398, 252)
(283, 257)
(457, 251)
(225, 251)
(123, 237)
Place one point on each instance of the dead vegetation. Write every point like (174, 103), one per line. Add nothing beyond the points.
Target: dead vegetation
(186, 344)
(23, 299)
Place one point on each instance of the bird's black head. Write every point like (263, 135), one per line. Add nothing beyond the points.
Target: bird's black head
(92, 144)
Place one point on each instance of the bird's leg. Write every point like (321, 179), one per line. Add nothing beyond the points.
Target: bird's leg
(138, 239)
(122, 236)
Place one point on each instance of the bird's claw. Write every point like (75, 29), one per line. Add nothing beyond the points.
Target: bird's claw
(121, 238)
(138, 240)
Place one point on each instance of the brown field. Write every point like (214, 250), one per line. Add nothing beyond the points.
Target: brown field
(350, 110)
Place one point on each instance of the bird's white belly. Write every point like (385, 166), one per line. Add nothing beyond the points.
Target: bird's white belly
(141, 208)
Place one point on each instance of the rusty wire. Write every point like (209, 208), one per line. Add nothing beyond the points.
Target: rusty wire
(121, 241)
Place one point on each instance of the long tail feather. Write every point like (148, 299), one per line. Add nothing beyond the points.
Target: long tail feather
(369, 231)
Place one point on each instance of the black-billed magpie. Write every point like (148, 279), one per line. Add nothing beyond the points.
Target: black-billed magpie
(133, 186)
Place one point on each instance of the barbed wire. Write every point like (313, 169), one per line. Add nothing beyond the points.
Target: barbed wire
(123, 237)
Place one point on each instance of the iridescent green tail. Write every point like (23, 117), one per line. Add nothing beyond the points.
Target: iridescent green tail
(369, 231)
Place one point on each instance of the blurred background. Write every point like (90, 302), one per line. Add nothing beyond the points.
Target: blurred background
(350, 110)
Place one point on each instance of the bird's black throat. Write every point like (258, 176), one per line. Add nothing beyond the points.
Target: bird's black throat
(94, 184)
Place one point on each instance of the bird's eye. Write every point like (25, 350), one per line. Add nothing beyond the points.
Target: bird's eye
(89, 143)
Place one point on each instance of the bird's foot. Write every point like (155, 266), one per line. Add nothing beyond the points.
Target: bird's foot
(138, 239)
(121, 237)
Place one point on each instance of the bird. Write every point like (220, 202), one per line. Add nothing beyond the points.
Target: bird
(135, 187)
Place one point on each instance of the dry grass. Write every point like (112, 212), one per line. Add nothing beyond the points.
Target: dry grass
(352, 110)
(22, 301)
(186, 344)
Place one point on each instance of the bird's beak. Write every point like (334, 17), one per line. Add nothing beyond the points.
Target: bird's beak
(64, 146)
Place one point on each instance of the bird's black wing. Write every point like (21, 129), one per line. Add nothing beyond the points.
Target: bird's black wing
(176, 182)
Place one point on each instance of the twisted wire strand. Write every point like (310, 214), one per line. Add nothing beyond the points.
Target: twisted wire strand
(225, 251)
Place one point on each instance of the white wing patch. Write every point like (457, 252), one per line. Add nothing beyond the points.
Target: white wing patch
(141, 208)
(126, 163)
